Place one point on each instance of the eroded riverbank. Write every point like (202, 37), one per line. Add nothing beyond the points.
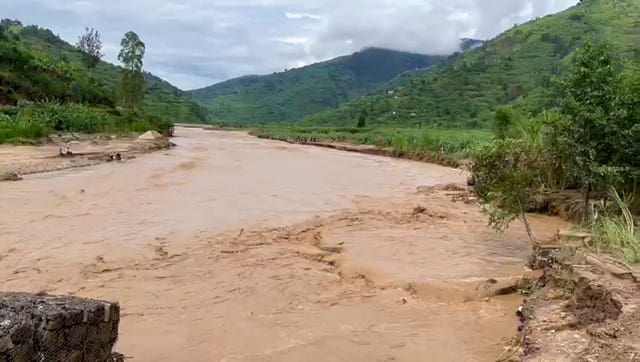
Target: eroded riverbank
(234, 248)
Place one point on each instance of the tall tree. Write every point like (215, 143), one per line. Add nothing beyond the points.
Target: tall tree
(90, 45)
(595, 116)
(131, 80)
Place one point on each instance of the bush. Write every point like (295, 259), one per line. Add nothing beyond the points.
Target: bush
(12, 130)
(35, 120)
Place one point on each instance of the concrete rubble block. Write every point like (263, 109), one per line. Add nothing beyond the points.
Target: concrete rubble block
(47, 328)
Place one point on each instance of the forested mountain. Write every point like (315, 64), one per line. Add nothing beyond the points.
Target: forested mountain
(290, 95)
(52, 70)
(517, 67)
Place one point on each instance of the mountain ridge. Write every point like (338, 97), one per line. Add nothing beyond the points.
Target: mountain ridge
(517, 67)
(290, 95)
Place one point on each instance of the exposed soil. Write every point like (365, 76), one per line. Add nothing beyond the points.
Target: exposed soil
(84, 150)
(587, 311)
(238, 249)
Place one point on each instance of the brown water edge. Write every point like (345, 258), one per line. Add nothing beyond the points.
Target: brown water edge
(190, 242)
(430, 157)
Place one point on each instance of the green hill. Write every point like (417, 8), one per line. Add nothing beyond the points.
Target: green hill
(161, 97)
(291, 95)
(517, 67)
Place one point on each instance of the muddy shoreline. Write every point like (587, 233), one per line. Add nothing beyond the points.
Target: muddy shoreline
(585, 309)
(84, 151)
(435, 158)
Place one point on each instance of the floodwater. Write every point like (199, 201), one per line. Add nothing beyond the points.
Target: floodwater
(231, 248)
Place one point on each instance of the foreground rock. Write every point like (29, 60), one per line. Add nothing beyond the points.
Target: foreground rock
(45, 328)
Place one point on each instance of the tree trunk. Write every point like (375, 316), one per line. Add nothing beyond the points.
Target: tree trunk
(523, 214)
(587, 198)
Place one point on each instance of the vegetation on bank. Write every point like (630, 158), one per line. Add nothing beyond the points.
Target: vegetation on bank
(32, 121)
(443, 145)
(590, 141)
(41, 94)
(59, 71)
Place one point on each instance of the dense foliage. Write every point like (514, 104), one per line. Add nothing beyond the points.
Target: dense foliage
(41, 92)
(160, 98)
(31, 121)
(25, 74)
(293, 94)
(590, 142)
(517, 68)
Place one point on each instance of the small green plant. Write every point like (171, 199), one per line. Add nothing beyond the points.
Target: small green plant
(616, 233)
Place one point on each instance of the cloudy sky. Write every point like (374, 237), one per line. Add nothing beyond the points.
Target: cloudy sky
(195, 43)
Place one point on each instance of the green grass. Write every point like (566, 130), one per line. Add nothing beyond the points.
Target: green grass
(31, 122)
(616, 233)
(421, 143)
(611, 234)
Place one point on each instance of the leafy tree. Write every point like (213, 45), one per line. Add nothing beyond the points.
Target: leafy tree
(91, 46)
(595, 117)
(504, 178)
(131, 79)
(132, 52)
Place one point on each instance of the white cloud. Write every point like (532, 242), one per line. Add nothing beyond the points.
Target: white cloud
(302, 16)
(194, 43)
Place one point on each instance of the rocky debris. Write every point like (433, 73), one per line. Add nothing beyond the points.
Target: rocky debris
(419, 210)
(471, 180)
(47, 328)
(570, 237)
(65, 151)
(563, 247)
(568, 204)
(150, 136)
(9, 176)
(442, 187)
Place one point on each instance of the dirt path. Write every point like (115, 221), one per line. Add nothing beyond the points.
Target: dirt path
(238, 249)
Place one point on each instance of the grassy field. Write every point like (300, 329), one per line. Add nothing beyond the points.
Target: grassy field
(415, 143)
(29, 123)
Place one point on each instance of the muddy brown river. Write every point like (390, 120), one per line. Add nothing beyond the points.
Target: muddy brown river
(231, 248)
